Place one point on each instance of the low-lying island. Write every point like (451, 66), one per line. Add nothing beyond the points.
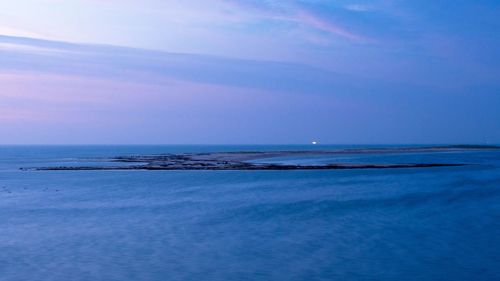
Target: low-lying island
(255, 160)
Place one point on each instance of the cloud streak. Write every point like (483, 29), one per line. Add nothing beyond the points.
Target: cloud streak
(313, 21)
(129, 64)
(358, 7)
(293, 12)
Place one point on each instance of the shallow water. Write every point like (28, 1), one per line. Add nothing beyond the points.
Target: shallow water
(392, 224)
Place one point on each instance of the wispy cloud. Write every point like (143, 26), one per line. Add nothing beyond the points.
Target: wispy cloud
(13, 31)
(316, 22)
(358, 7)
(93, 93)
(129, 64)
(293, 12)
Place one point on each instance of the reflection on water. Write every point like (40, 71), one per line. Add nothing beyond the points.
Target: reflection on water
(397, 224)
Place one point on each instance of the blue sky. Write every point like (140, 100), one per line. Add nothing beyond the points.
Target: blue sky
(257, 71)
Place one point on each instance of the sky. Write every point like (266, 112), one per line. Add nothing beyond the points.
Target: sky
(249, 72)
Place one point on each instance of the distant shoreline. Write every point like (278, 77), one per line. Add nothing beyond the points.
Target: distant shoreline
(240, 160)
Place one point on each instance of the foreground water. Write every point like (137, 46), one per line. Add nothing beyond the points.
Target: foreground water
(395, 224)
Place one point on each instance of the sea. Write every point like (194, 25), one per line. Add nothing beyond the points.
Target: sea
(440, 223)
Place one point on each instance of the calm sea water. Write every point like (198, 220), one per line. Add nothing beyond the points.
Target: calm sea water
(394, 224)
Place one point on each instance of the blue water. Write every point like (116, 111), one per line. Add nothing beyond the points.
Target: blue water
(395, 224)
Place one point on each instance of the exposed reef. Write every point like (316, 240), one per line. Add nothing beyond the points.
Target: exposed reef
(247, 160)
(245, 166)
